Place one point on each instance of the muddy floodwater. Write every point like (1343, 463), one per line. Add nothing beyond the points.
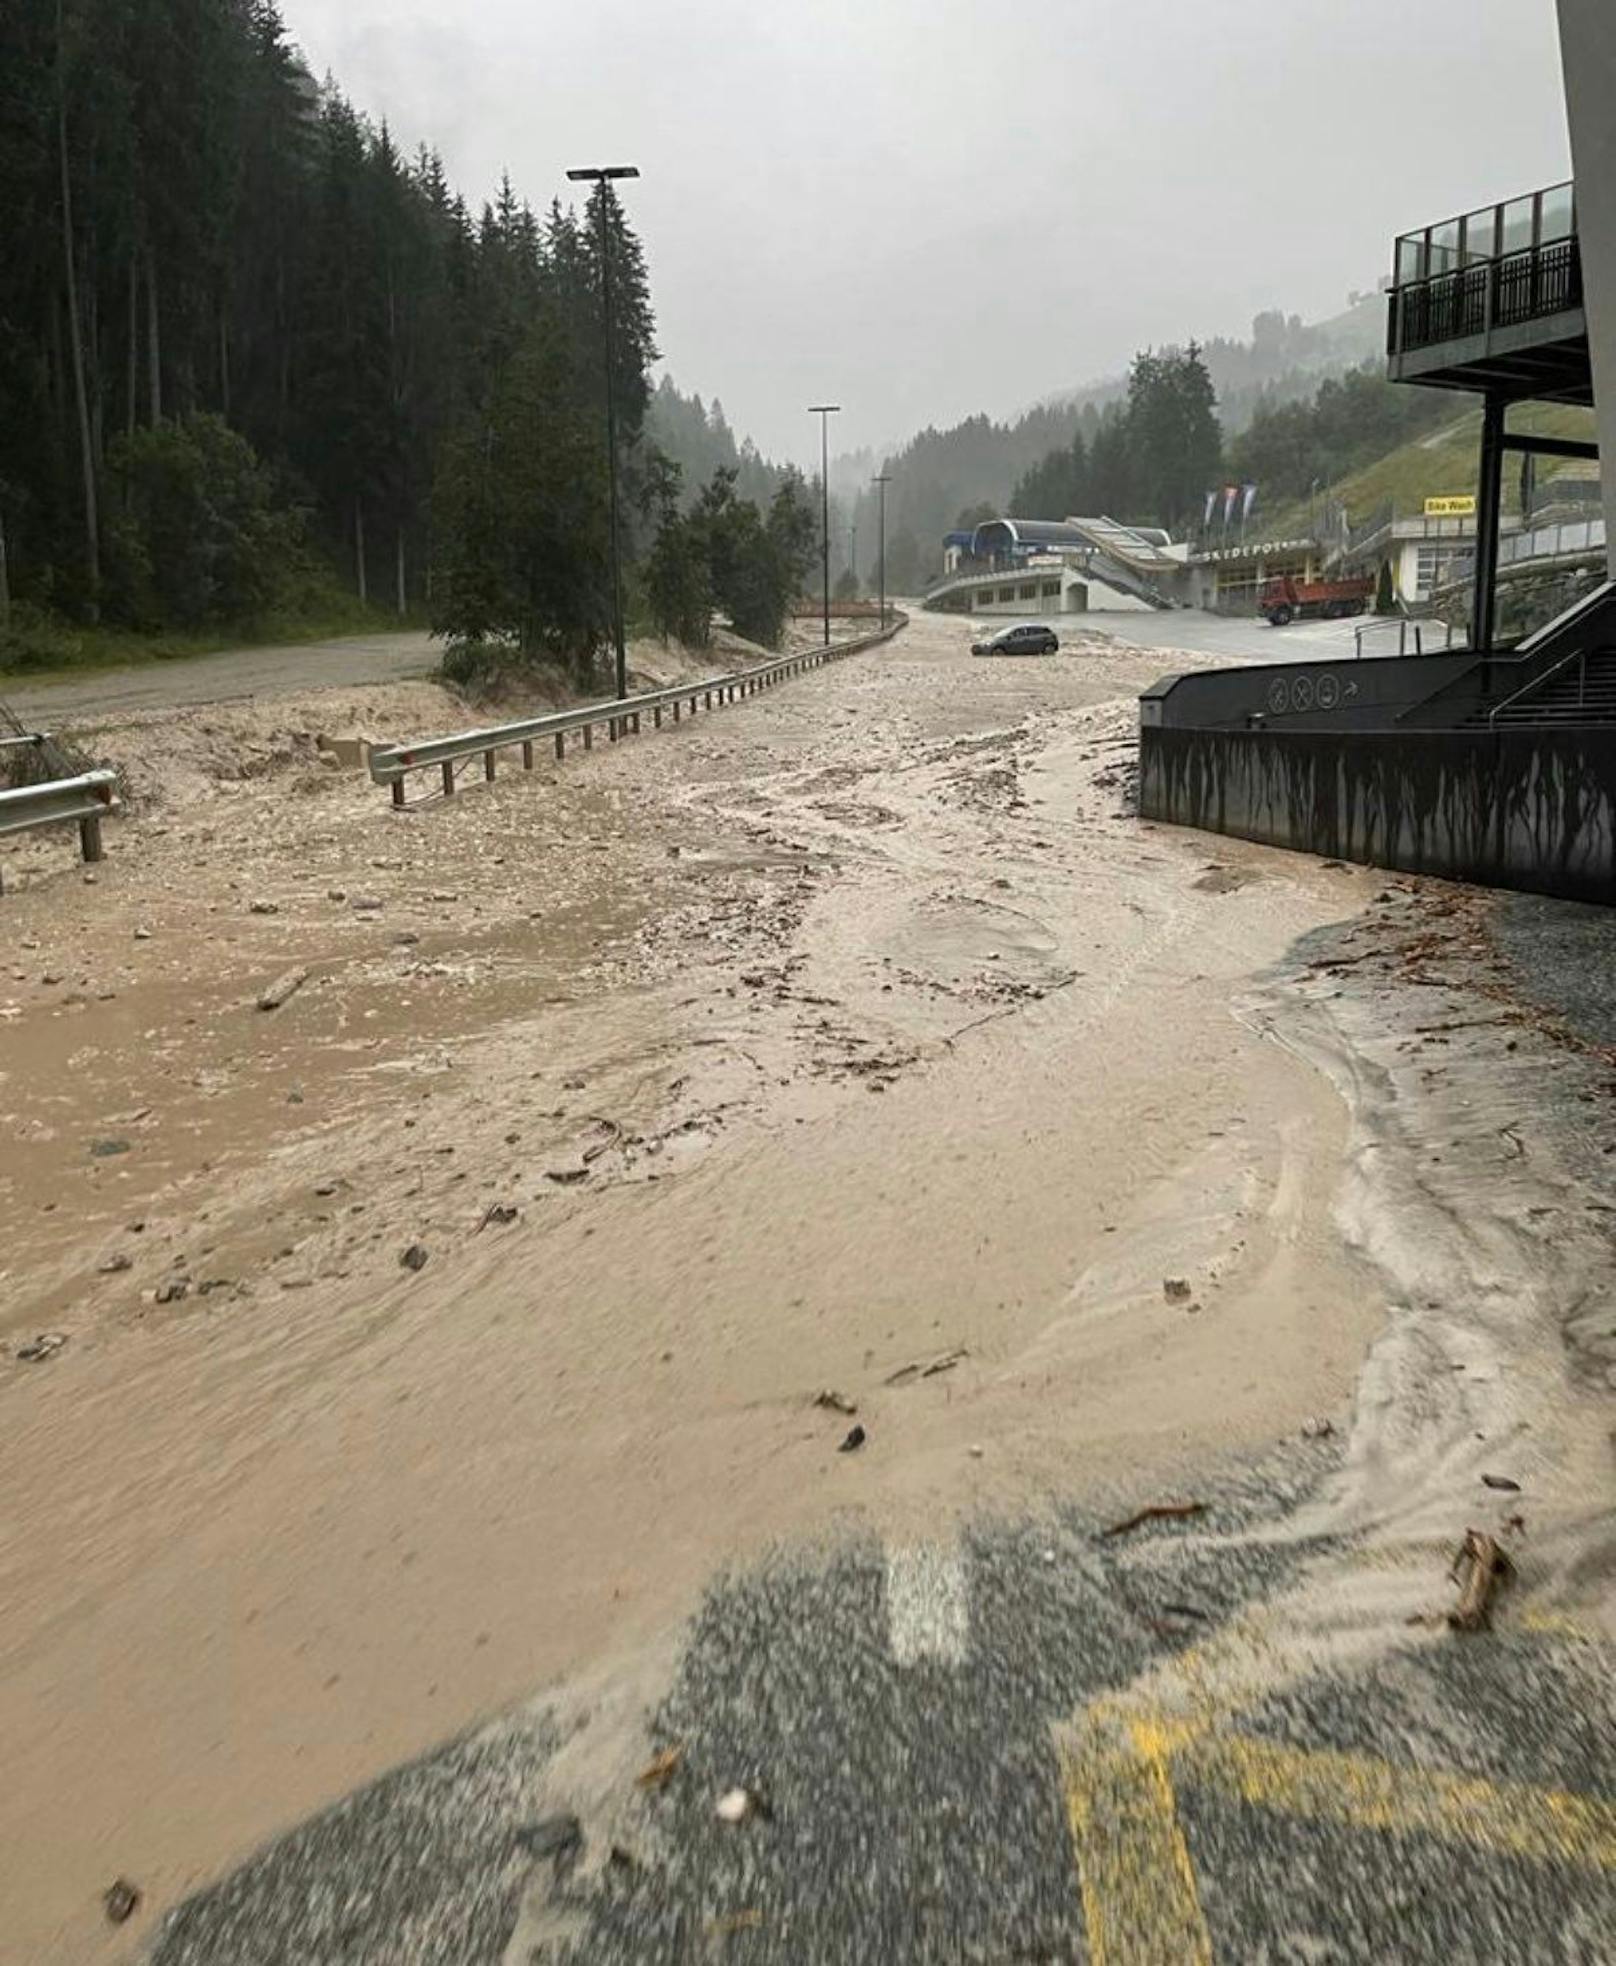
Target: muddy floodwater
(857, 1041)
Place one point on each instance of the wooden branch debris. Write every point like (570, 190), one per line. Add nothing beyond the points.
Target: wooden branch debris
(1155, 1512)
(927, 1369)
(1480, 1569)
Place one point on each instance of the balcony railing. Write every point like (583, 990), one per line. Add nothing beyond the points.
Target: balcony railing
(1501, 293)
(1497, 268)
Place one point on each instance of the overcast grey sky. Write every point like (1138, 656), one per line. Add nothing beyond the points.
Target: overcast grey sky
(922, 210)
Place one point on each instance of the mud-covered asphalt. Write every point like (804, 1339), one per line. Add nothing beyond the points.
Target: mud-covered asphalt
(856, 1048)
(966, 1807)
(1247, 1736)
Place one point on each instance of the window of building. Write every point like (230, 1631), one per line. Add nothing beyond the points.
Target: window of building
(1007, 593)
(1434, 566)
(1029, 591)
(1051, 590)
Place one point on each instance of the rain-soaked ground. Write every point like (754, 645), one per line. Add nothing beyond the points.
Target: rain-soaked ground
(856, 1049)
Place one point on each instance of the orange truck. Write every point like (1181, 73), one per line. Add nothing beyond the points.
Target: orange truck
(1284, 601)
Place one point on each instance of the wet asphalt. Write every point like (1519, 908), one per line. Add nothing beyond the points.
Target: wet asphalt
(1563, 957)
(917, 1806)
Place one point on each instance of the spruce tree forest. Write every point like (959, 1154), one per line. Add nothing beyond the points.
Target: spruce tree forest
(257, 366)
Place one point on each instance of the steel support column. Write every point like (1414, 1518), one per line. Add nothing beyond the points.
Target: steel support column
(1489, 513)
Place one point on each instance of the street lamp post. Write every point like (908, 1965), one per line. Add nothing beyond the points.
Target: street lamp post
(825, 411)
(881, 484)
(603, 175)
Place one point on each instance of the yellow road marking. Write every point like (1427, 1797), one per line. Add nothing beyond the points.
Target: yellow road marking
(1140, 1901)
(1139, 1898)
(1358, 1792)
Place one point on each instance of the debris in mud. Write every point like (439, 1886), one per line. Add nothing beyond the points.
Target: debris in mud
(1479, 1569)
(120, 1900)
(1317, 1429)
(659, 1772)
(560, 1837)
(613, 1138)
(1155, 1512)
(566, 1177)
(263, 908)
(855, 1440)
(45, 1346)
(116, 1264)
(172, 1292)
(834, 1402)
(1175, 1289)
(740, 1805)
(499, 1215)
(108, 1149)
(283, 989)
(366, 904)
(1502, 1481)
(944, 1362)
(415, 1257)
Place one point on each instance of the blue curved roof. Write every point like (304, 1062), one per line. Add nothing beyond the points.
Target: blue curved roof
(1004, 535)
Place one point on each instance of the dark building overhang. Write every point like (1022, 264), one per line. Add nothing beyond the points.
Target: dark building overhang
(1493, 303)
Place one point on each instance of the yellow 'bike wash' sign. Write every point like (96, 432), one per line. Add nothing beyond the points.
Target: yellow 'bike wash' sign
(1450, 508)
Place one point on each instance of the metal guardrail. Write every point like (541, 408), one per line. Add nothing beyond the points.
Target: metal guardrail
(88, 799)
(390, 764)
(1403, 624)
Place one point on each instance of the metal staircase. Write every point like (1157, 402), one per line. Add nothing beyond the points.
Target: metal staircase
(1127, 560)
(1580, 689)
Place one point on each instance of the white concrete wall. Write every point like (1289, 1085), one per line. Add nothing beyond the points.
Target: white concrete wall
(1588, 47)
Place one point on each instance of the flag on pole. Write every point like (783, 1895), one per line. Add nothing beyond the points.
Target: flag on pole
(1249, 495)
(1211, 507)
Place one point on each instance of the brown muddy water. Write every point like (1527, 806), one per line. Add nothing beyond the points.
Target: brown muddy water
(857, 1027)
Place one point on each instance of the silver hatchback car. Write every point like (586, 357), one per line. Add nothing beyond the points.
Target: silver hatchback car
(1026, 638)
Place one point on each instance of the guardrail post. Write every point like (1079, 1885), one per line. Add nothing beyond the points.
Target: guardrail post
(675, 710)
(488, 766)
(561, 746)
(398, 791)
(589, 737)
(527, 756)
(637, 723)
(90, 839)
(656, 716)
(448, 778)
(611, 728)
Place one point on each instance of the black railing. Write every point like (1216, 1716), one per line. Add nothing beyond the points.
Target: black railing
(1500, 293)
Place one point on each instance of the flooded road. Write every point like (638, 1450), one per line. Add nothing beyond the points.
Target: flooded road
(854, 1042)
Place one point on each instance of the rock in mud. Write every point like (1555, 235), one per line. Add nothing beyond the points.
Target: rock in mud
(283, 989)
(560, 1837)
(415, 1257)
(120, 1900)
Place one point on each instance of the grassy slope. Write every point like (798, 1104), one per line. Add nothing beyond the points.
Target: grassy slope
(1444, 463)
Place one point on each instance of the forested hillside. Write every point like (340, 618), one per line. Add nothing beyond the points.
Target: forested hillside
(981, 466)
(696, 436)
(244, 342)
